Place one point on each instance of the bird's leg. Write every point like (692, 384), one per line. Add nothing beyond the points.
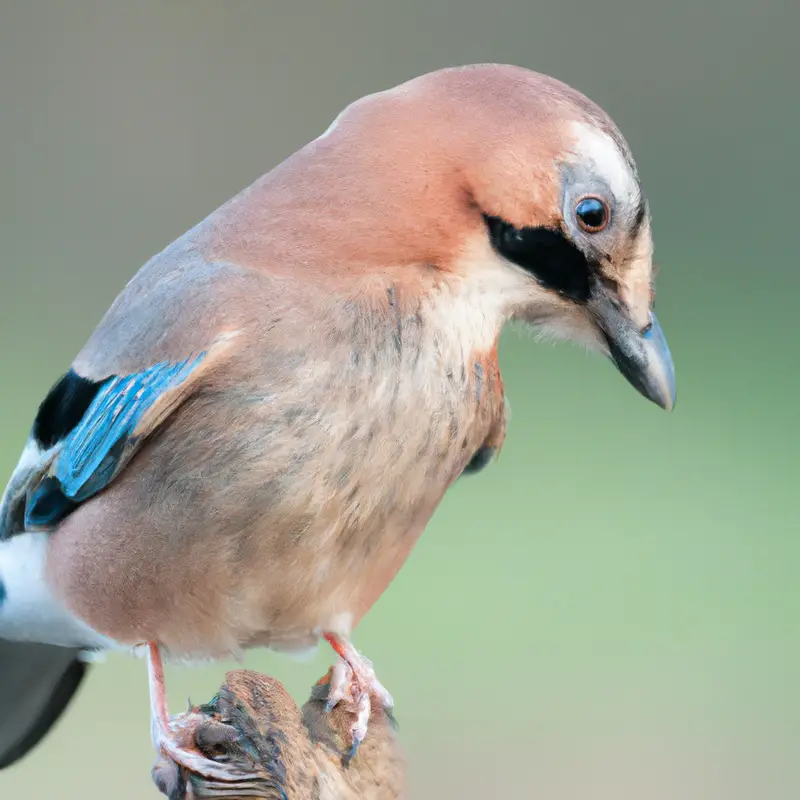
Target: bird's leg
(169, 737)
(353, 679)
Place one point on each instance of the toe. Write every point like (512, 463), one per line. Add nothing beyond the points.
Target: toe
(173, 746)
(380, 693)
(340, 687)
(359, 729)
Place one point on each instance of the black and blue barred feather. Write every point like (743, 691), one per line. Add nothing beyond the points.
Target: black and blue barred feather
(102, 441)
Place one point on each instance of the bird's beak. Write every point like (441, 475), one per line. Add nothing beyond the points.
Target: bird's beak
(642, 356)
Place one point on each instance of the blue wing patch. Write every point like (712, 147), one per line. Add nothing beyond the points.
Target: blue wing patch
(96, 449)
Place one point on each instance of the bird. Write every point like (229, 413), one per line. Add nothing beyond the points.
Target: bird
(260, 427)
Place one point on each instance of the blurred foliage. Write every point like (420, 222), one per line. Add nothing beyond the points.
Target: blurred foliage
(610, 610)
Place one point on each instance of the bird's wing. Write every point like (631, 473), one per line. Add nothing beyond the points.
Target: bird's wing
(37, 682)
(150, 353)
(123, 412)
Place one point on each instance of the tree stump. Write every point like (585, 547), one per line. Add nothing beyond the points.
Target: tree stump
(283, 752)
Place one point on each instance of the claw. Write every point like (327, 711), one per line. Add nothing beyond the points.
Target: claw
(339, 687)
(169, 737)
(196, 762)
(353, 680)
(351, 753)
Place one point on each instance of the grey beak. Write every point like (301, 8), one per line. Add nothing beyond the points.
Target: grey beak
(643, 357)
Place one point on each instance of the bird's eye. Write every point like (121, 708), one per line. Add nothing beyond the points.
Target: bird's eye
(593, 214)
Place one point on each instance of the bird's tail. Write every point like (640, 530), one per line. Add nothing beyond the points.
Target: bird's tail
(37, 681)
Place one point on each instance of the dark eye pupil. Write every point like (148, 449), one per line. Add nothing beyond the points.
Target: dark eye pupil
(591, 212)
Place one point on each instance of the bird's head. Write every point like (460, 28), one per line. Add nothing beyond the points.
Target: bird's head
(561, 203)
(513, 180)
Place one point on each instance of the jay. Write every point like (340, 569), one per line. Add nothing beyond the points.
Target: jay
(261, 426)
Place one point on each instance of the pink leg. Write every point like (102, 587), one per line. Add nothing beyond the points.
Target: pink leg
(353, 680)
(158, 688)
(168, 736)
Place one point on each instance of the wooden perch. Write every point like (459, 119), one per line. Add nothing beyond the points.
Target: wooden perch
(286, 753)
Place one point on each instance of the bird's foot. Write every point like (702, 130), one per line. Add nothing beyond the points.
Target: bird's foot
(177, 742)
(176, 739)
(353, 681)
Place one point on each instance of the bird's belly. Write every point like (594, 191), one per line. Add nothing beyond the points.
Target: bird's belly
(337, 591)
(254, 586)
(290, 524)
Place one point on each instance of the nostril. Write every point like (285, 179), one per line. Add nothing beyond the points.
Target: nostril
(647, 328)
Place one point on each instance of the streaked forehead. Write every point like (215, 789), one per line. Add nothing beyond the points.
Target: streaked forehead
(607, 159)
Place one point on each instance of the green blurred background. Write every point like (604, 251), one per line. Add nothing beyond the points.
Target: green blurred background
(611, 611)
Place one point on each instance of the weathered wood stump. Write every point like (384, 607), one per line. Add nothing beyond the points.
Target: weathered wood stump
(283, 752)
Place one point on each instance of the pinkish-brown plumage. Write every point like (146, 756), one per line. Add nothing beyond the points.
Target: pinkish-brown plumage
(294, 480)
(350, 304)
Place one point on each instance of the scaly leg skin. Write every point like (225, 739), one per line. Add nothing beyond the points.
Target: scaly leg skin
(353, 679)
(168, 735)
